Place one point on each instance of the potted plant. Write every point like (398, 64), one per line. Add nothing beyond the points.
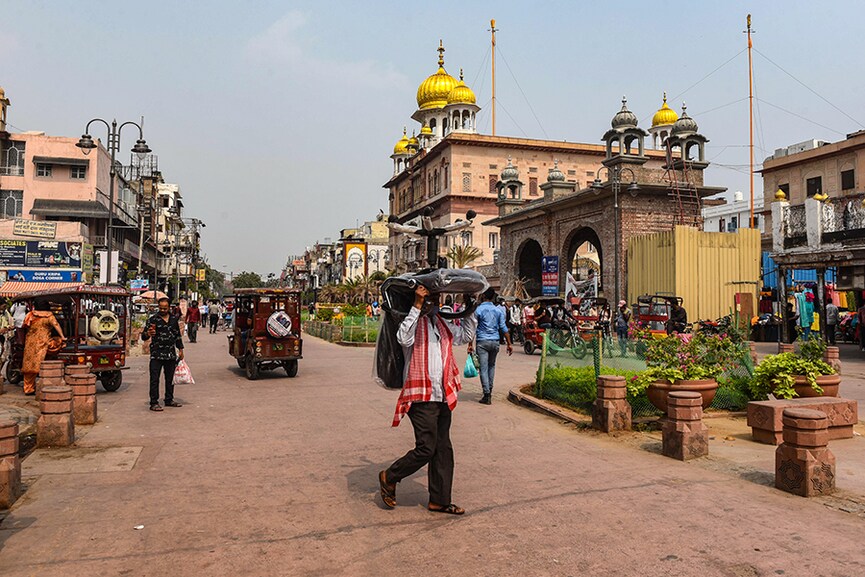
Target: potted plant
(802, 374)
(684, 363)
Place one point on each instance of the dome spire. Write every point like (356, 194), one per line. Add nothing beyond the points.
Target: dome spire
(441, 50)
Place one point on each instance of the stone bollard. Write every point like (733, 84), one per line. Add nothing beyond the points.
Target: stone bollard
(55, 427)
(611, 411)
(832, 356)
(83, 398)
(785, 348)
(685, 436)
(50, 375)
(77, 370)
(10, 464)
(804, 465)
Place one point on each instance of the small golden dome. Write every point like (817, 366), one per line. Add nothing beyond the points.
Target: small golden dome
(401, 146)
(779, 195)
(434, 91)
(413, 141)
(665, 115)
(461, 94)
(425, 130)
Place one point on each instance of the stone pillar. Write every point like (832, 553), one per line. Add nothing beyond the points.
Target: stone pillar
(10, 464)
(804, 465)
(611, 411)
(50, 375)
(77, 370)
(685, 436)
(83, 398)
(833, 358)
(785, 348)
(55, 427)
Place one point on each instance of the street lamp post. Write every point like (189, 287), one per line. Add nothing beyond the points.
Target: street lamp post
(614, 175)
(86, 144)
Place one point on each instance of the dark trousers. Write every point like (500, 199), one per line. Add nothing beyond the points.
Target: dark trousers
(158, 366)
(192, 329)
(830, 333)
(432, 426)
(214, 319)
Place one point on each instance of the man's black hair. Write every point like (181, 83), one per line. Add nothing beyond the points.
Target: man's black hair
(489, 294)
(166, 299)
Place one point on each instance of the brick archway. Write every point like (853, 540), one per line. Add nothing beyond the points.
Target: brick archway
(572, 243)
(528, 265)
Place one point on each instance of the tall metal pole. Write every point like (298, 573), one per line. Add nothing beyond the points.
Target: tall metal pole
(113, 139)
(493, 31)
(616, 185)
(751, 118)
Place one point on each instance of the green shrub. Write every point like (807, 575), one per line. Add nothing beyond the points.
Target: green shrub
(576, 386)
(324, 315)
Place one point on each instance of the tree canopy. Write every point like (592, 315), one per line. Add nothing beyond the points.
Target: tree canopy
(247, 280)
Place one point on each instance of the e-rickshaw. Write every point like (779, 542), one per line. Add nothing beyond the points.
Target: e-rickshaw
(653, 312)
(94, 321)
(266, 331)
(561, 333)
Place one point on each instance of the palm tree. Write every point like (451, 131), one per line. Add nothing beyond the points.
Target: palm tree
(463, 256)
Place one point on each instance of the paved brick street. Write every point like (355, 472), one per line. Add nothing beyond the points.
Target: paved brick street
(278, 477)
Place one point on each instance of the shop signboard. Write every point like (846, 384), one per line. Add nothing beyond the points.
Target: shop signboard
(139, 284)
(201, 274)
(45, 275)
(550, 275)
(40, 254)
(39, 228)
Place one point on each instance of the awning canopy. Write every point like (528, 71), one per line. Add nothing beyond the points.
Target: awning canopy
(69, 208)
(14, 287)
(60, 160)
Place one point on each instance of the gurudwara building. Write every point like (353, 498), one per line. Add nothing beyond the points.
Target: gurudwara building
(446, 166)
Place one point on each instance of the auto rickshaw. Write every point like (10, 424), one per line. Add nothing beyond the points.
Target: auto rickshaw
(653, 312)
(533, 335)
(266, 331)
(94, 320)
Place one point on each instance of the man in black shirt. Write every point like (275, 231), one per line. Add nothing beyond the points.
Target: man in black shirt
(678, 321)
(165, 331)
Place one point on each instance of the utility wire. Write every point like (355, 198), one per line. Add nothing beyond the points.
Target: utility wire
(483, 65)
(679, 95)
(704, 112)
(759, 115)
(800, 116)
(820, 96)
(512, 118)
(508, 66)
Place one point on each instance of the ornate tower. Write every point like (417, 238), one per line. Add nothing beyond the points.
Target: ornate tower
(662, 124)
(510, 190)
(629, 140)
(683, 139)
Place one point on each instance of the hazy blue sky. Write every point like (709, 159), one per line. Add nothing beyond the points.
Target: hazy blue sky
(277, 118)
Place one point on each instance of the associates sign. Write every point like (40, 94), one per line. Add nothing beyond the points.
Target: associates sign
(40, 254)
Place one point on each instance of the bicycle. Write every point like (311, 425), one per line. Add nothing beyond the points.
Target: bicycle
(563, 336)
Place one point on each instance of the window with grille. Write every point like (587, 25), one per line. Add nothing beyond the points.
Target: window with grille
(11, 203)
(814, 185)
(572, 173)
(848, 179)
(467, 182)
(533, 169)
(494, 240)
(43, 170)
(12, 158)
(494, 180)
(533, 186)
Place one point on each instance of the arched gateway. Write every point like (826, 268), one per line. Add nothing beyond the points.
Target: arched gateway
(528, 265)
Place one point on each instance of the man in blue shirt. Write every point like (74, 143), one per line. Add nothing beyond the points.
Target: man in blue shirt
(491, 324)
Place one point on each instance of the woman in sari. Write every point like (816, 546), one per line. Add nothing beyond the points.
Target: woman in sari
(40, 323)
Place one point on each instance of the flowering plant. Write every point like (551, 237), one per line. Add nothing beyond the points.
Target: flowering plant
(686, 357)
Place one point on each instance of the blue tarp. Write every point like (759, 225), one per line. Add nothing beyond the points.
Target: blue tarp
(770, 274)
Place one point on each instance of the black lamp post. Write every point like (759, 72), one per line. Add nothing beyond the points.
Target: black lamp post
(86, 144)
(614, 174)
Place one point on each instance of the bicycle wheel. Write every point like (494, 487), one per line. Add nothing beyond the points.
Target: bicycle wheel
(578, 347)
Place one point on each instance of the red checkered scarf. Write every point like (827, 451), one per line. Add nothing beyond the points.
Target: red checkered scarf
(418, 386)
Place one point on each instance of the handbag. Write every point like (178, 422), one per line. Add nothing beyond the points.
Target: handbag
(470, 371)
(182, 374)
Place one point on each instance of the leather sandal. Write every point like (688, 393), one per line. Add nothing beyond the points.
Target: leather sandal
(388, 492)
(173, 404)
(155, 408)
(450, 509)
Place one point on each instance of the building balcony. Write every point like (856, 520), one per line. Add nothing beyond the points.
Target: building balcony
(817, 227)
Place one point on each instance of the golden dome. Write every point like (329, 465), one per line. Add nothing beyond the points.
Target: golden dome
(401, 146)
(779, 195)
(413, 141)
(461, 94)
(425, 130)
(665, 115)
(434, 91)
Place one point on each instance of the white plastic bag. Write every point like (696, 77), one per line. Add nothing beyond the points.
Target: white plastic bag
(182, 374)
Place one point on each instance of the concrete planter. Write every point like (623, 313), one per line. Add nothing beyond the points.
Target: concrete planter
(658, 391)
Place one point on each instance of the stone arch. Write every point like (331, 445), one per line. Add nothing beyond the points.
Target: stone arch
(528, 265)
(576, 239)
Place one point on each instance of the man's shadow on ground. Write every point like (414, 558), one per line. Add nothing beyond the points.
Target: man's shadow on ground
(362, 483)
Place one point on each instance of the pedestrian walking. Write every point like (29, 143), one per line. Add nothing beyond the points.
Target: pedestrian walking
(214, 311)
(491, 325)
(165, 350)
(831, 322)
(860, 313)
(515, 318)
(40, 325)
(429, 395)
(623, 320)
(193, 319)
(7, 331)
